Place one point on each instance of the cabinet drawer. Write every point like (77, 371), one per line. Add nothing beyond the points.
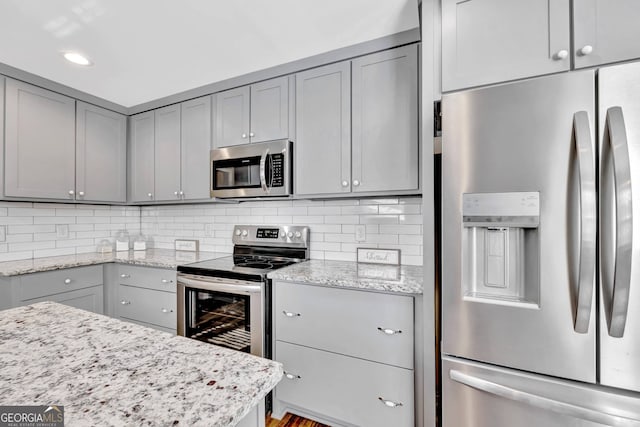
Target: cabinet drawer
(345, 388)
(146, 305)
(346, 322)
(54, 282)
(90, 299)
(150, 278)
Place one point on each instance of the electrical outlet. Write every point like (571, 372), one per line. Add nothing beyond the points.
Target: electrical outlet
(361, 233)
(209, 230)
(3, 233)
(62, 231)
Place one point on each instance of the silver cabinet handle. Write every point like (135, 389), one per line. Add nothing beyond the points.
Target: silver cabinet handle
(389, 403)
(244, 135)
(389, 331)
(585, 50)
(263, 171)
(616, 134)
(542, 402)
(150, 195)
(125, 276)
(166, 310)
(561, 54)
(181, 193)
(356, 182)
(345, 183)
(290, 314)
(175, 193)
(71, 193)
(291, 376)
(251, 134)
(123, 302)
(67, 281)
(166, 281)
(81, 193)
(588, 224)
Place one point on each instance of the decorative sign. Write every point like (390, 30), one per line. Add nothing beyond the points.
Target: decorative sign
(187, 245)
(379, 256)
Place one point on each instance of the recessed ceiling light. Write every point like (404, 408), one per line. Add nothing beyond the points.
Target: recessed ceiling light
(77, 58)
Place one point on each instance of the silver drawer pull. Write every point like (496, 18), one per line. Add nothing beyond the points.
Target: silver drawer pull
(166, 310)
(166, 281)
(123, 302)
(390, 331)
(290, 376)
(290, 314)
(389, 403)
(125, 275)
(67, 281)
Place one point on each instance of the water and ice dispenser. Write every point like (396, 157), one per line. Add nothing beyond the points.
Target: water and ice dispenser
(500, 248)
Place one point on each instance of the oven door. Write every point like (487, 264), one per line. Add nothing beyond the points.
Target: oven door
(225, 312)
(251, 170)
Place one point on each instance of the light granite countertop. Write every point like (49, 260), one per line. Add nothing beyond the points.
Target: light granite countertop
(405, 279)
(162, 258)
(108, 372)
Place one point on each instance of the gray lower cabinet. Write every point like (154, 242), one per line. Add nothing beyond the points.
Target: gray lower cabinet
(605, 31)
(489, 41)
(348, 355)
(146, 296)
(169, 152)
(101, 154)
(254, 113)
(80, 287)
(384, 116)
(323, 130)
(39, 143)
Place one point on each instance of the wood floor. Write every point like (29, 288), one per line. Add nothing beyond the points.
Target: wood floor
(292, 421)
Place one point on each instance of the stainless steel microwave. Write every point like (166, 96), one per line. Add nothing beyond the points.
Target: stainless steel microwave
(253, 170)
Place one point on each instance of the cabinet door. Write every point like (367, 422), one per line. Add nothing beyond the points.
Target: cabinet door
(195, 148)
(323, 130)
(141, 164)
(232, 117)
(385, 121)
(270, 110)
(40, 143)
(489, 41)
(90, 299)
(167, 153)
(605, 31)
(101, 154)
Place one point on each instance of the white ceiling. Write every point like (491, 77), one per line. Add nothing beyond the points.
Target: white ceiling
(147, 49)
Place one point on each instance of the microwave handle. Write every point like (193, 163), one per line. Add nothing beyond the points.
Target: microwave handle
(263, 171)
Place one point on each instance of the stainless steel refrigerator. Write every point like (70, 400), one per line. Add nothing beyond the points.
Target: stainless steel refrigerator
(541, 252)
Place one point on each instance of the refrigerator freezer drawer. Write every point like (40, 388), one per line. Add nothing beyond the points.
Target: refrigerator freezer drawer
(479, 395)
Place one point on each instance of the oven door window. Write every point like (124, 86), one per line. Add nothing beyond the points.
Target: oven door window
(236, 173)
(219, 318)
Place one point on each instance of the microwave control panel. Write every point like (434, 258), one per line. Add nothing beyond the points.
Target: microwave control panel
(277, 170)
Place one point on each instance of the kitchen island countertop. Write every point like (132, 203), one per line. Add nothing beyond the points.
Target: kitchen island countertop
(161, 258)
(404, 279)
(108, 372)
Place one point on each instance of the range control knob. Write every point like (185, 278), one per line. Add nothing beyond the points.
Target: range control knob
(237, 231)
(298, 234)
(244, 233)
(290, 234)
(282, 234)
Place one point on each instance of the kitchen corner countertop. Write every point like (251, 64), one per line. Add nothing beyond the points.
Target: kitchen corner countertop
(108, 372)
(161, 258)
(405, 279)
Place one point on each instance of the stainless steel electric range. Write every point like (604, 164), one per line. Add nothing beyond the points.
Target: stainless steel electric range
(227, 301)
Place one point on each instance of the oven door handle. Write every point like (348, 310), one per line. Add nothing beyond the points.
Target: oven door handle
(244, 289)
(263, 172)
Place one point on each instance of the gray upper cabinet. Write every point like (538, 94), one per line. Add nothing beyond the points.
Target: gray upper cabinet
(270, 110)
(323, 130)
(385, 121)
(488, 41)
(195, 147)
(101, 154)
(167, 153)
(232, 117)
(255, 113)
(141, 157)
(605, 31)
(39, 143)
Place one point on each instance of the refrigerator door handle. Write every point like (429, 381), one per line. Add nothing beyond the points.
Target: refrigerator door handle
(541, 402)
(617, 137)
(588, 225)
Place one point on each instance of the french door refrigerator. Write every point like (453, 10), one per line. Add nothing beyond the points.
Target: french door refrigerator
(541, 252)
